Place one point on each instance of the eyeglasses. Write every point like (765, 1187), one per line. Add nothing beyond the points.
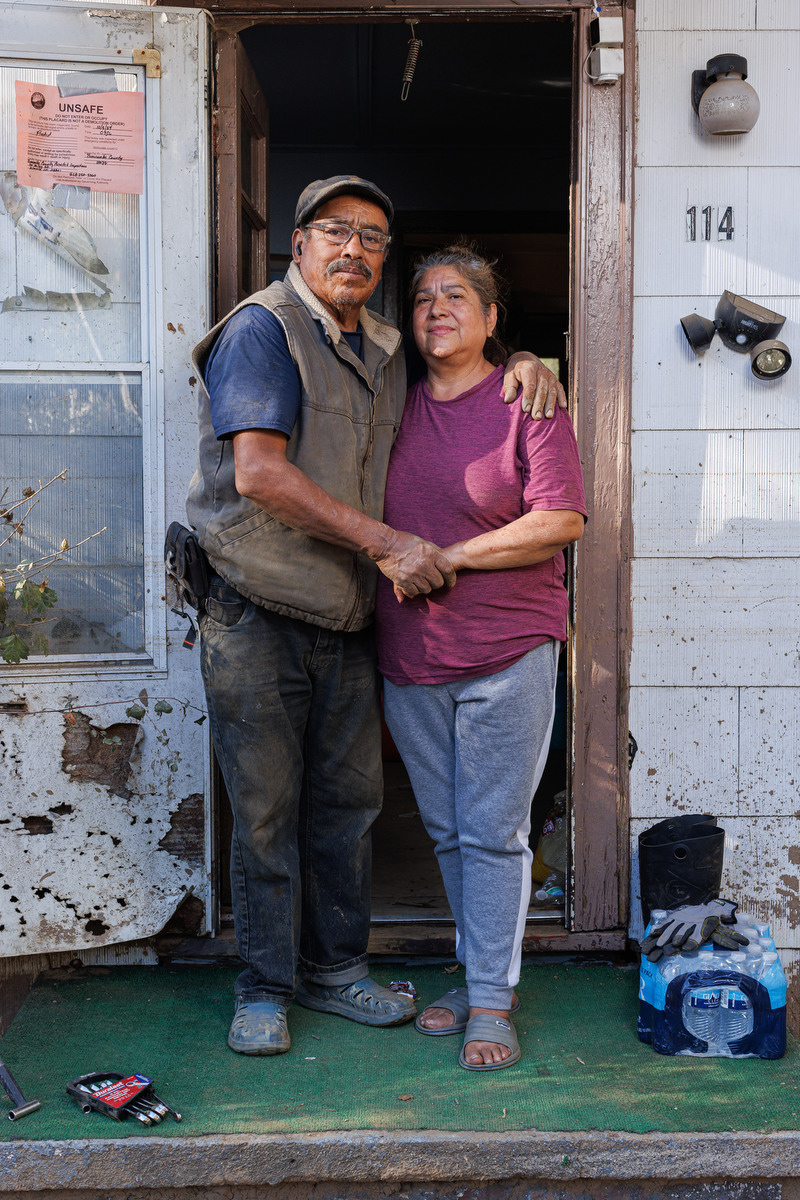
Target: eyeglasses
(339, 234)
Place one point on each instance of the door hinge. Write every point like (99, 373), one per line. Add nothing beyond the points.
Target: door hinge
(150, 59)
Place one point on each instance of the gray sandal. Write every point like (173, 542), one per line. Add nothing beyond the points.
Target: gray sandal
(364, 1001)
(455, 1001)
(487, 1028)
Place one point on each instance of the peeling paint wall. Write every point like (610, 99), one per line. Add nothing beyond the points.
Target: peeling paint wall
(100, 841)
(103, 830)
(715, 672)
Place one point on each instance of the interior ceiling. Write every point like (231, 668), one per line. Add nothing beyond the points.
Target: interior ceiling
(505, 85)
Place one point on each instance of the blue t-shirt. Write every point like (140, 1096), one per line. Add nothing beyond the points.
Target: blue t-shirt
(252, 379)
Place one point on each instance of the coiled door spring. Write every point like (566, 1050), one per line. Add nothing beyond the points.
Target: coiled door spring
(414, 47)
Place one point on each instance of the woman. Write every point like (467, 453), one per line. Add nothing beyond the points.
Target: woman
(470, 673)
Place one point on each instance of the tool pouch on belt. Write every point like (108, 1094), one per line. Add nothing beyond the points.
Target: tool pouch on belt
(187, 564)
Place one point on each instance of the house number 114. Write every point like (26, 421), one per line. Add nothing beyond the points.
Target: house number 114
(701, 229)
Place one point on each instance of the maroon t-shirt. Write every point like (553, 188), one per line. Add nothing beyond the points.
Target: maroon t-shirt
(460, 468)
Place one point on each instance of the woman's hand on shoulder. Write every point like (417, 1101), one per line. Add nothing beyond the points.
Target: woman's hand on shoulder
(541, 391)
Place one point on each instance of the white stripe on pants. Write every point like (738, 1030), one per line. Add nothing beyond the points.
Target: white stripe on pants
(475, 750)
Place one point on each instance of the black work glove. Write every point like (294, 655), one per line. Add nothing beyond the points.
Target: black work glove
(687, 928)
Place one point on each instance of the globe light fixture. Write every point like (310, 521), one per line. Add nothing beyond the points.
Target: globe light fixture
(725, 104)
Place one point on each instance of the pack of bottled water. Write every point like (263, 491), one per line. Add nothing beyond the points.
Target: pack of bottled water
(714, 1002)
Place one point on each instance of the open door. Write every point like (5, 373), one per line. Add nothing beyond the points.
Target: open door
(544, 119)
(241, 138)
(343, 112)
(103, 291)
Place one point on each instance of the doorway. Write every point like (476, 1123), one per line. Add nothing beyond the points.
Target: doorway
(480, 149)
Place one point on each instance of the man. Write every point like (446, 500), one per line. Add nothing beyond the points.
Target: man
(302, 398)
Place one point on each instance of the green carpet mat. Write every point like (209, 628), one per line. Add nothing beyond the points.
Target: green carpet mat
(583, 1067)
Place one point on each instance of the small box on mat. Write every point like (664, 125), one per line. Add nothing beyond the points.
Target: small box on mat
(716, 1003)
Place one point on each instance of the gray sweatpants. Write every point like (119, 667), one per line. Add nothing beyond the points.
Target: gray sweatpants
(475, 751)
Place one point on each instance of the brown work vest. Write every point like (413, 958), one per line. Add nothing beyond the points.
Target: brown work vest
(349, 416)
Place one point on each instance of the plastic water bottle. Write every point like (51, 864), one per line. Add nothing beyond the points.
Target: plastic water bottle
(672, 966)
(736, 1010)
(774, 979)
(754, 960)
(700, 1011)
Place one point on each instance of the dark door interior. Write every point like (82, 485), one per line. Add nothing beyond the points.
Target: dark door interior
(481, 148)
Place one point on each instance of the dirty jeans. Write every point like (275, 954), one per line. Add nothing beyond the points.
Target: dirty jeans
(295, 720)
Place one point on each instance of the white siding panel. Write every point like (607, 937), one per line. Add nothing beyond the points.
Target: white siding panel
(769, 770)
(687, 490)
(778, 14)
(771, 509)
(687, 759)
(698, 14)
(673, 388)
(715, 623)
(669, 132)
(762, 872)
(774, 232)
(667, 264)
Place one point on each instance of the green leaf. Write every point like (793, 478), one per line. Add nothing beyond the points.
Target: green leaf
(163, 706)
(31, 598)
(135, 712)
(3, 609)
(12, 648)
(40, 642)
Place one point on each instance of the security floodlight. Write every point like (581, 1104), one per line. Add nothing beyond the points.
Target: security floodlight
(746, 327)
(770, 360)
(742, 324)
(699, 332)
(725, 104)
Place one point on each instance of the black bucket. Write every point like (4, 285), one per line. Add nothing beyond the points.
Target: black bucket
(680, 862)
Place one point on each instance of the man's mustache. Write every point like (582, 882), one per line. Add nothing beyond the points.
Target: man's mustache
(348, 264)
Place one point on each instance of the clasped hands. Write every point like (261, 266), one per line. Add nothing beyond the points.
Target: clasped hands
(415, 566)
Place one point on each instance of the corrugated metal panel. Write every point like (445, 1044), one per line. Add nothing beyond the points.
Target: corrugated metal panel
(715, 623)
(774, 231)
(778, 14)
(697, 14)
(666, 263)
(673, 388)
(687, 493)
(715, 667)
(668, 131)
(687, 759)
(769, 751)
(762, 870)
(771, 509)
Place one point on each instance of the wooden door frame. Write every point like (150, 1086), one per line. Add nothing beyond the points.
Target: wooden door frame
(600, 399)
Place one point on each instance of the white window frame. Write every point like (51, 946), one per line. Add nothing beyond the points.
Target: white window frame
(153, 659)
